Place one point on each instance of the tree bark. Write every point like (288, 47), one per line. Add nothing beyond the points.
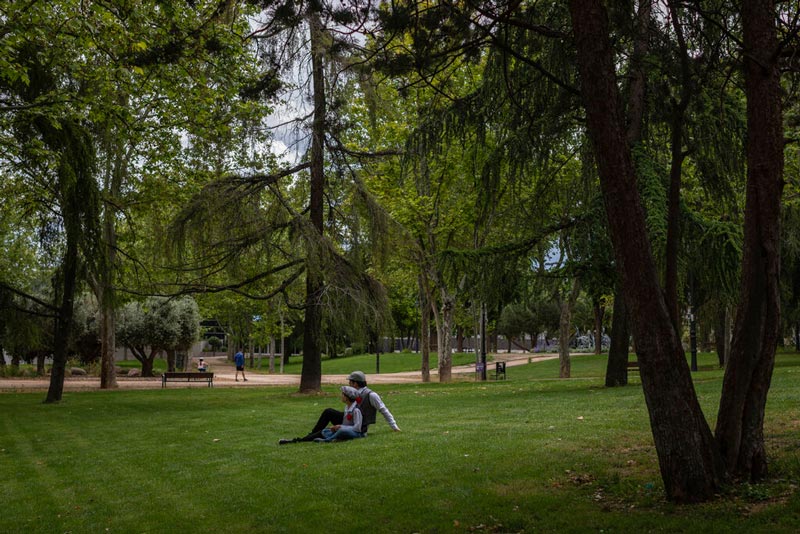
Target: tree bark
(425, 331)
(444, 329)
(116, 169)
(599, 312)
(690, 464)
(171, 360)
(61, 341)
(675, 175)
(564, 327)
(636, 93)
(748, 373)
(617, 367)
(311, 374)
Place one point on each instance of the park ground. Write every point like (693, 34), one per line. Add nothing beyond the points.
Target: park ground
(225, 376)
(532, 453)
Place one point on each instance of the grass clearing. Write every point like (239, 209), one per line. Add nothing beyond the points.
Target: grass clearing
(531, 453)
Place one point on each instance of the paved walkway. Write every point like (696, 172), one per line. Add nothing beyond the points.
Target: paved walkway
(224, 374)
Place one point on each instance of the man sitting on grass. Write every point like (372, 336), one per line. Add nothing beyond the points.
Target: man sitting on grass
(369, 403)
(351, 423)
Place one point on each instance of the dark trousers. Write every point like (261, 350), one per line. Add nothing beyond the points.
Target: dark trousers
(328, 416)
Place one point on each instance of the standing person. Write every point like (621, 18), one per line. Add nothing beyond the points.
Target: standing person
(238, 359)
(370, 403)
(351, 422)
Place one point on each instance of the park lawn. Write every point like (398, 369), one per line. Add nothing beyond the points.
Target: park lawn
(531, 453)
(395, 362)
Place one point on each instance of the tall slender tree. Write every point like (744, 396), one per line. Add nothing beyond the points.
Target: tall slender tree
(740, 422)
(691, 466)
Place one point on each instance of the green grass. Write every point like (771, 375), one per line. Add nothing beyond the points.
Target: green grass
(532, 454)
(396, 362)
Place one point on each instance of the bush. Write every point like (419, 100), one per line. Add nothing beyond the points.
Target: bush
(11, 371)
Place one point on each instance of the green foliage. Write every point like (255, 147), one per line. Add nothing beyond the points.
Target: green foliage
(159, 323)
(515, 320)
(215, 343)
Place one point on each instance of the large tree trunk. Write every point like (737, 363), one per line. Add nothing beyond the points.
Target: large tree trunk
(691, 467)
(108, 378)
(748, 373)
(617, 367)
(116, 167)
(311, 377)
(69, 270)
(148, 362)
(444, 331)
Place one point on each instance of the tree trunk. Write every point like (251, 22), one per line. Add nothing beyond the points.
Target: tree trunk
(425, 332)
(690, 464)
(148, 362)
(720, 335)
(284, 357)
(69, 270)
(617, 367)
(311, 374)
(171, 360)
(748, 373)
(638, 83)
(599, 312)
(108, 379)
(565, 323)
(115, 171)
(445, 338)
(147, 367)
(678, 112)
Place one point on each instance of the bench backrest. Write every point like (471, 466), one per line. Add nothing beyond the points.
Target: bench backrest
(188, 375)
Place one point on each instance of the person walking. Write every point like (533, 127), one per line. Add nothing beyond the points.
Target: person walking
(369, 402)
(238, 360)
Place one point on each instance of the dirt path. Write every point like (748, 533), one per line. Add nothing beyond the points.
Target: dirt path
(224, 374)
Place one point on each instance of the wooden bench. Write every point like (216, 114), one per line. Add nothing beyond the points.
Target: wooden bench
(187, 377)
(633, 366)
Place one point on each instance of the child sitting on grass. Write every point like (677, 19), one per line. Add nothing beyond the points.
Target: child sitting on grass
(351, 423)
